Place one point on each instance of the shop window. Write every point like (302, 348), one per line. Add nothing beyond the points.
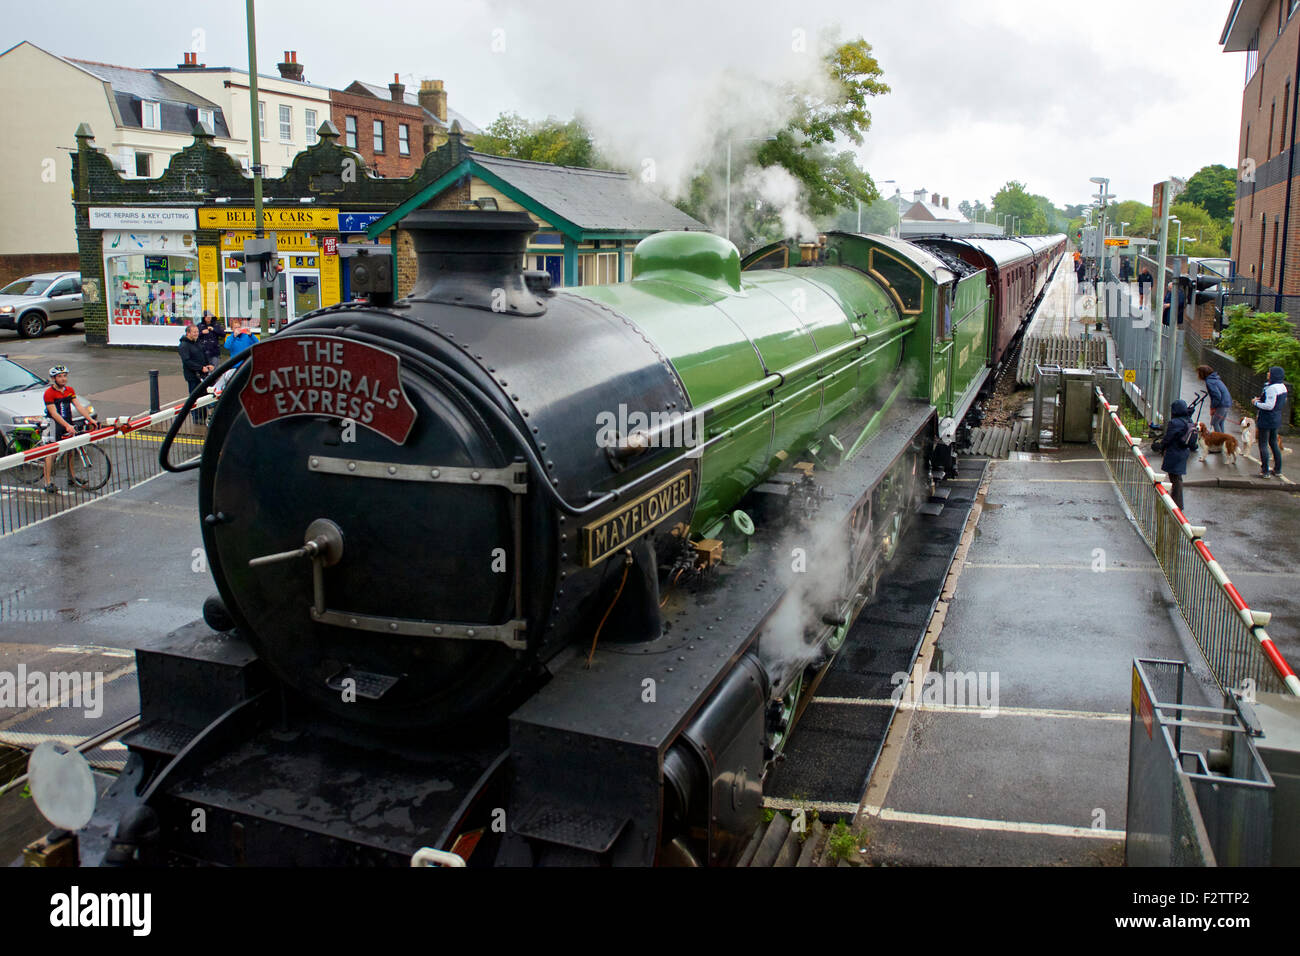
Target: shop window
(403, 139)
(208, 120)
(379, 136)
(150, 115)
(598, 268)
(152, 288)
(312, 125)
(286, 124)
(142, 165)
(261, 118)
(350, 131)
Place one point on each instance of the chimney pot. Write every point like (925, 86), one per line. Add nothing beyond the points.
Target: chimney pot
(290, 69)
(433, 98)
(945, 202)
(397, 90)
(934, 199)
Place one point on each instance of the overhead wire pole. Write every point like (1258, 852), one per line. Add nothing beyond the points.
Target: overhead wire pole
(256, 127)
(1162, 194)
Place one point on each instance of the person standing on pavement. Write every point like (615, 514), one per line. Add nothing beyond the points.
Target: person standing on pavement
(1177, 443)
(211, 335)
(1270, 404)
(194, 363)
(60, 398)
(1145, 281)
(240, 340)
(1220, 399)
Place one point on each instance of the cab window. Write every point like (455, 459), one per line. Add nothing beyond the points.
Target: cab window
(903, 283)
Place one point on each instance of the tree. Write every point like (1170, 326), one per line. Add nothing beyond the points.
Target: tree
(1197, 224)
(1214, 189)
(1012, 201)
(546, 141)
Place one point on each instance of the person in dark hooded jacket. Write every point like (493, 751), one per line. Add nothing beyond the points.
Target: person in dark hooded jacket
(1220, 399)
(1177, 443)
(1270, 404)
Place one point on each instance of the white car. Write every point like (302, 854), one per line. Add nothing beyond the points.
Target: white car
(22, 397)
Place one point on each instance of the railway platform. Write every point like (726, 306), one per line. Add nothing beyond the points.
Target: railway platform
(1010, 745)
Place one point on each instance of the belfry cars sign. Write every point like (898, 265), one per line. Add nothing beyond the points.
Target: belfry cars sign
(339, 378)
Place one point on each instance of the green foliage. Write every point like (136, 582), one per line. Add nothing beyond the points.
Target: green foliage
(1214, 189)
(1251, 336)
(1277, 348)
(1012, 201)
(841, 844)
(546, 141)
(855, 75)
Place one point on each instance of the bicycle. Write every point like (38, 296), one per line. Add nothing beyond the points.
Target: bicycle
(89, 466)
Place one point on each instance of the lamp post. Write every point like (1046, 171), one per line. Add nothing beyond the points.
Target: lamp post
(1179, 223)
(1122, 225)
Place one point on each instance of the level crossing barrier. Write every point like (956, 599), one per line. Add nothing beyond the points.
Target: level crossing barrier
(130, 444)
(1231, 636)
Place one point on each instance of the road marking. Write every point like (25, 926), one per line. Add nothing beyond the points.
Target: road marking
(91, 649)
(1002, 826)
(1054, 481)
(1067, 567)
(972, 708)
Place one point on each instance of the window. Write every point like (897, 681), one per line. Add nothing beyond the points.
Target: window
(379, 136)
(286, 124)
(1286, 101)
(142, 165)
(903, 284)
(1272, 111)
(350, 131)
(403, 139)
(261, 118)
(150, 115)
(1252, 56)
(312, 125)
(208, 120)
(65, 287)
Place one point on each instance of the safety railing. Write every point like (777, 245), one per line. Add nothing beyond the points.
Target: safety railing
(120, 454)
(1230, 634)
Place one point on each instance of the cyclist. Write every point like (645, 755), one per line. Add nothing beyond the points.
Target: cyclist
(60, 398)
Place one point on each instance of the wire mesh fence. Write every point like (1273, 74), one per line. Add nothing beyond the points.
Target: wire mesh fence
(1230, 635)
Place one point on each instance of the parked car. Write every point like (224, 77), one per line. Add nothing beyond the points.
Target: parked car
(22, 397)
(33, 303)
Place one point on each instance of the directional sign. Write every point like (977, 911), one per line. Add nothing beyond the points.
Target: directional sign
(1117, 241)
(1157, 202)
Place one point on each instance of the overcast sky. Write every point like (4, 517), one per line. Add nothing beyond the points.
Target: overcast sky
(982, 90)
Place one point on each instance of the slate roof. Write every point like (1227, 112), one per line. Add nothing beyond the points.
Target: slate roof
(178, 106)
(596, 200)
(937, 213)
(413, 99)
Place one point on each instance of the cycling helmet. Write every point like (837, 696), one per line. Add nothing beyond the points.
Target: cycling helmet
(58, 370)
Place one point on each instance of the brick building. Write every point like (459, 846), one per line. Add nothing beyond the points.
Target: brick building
(155, 253)
(1266, 225)
(425, 111)
(389, 133)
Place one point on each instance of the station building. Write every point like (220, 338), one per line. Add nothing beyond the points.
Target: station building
(1265, 237)
(155, 253)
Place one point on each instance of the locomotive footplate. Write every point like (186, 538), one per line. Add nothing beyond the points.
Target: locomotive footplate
(601, 753)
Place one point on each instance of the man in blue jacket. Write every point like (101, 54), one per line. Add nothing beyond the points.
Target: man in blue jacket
(1220, 400)
(1270, 404)
(1178, 442)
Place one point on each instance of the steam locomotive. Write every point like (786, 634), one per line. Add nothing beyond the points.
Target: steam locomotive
(504, 573)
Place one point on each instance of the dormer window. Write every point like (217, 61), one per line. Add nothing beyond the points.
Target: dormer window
(150, 115)
(206, 118)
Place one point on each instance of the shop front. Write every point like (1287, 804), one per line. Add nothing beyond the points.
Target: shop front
(151, 275)
(307, 263)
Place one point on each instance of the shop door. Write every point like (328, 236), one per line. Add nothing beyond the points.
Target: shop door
(304, 293)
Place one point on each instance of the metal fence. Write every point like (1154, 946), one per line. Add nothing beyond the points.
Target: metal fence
(127, 446)
(1230, 635)
(1181, 812)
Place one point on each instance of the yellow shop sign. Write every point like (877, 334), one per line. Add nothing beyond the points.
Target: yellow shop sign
(284, 241)
(242, 217)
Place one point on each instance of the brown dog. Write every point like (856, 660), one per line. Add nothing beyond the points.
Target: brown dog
(1213, 440)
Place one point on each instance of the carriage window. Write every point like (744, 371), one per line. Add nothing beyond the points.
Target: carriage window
(902, 282)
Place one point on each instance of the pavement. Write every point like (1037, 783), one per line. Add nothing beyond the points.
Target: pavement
(1057, 594)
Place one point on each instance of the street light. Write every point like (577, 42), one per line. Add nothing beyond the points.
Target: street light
(1122, 225)
(1180, 229)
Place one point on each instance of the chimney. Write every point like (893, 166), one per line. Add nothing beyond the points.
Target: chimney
(918, 196)
(434, 98)
(945, 202)
(934, 199)
(291, 69)
(397, 90)
(470, 257)
(191, 62)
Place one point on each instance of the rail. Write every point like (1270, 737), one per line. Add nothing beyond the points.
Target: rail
(129, 446)
(1230, 634)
